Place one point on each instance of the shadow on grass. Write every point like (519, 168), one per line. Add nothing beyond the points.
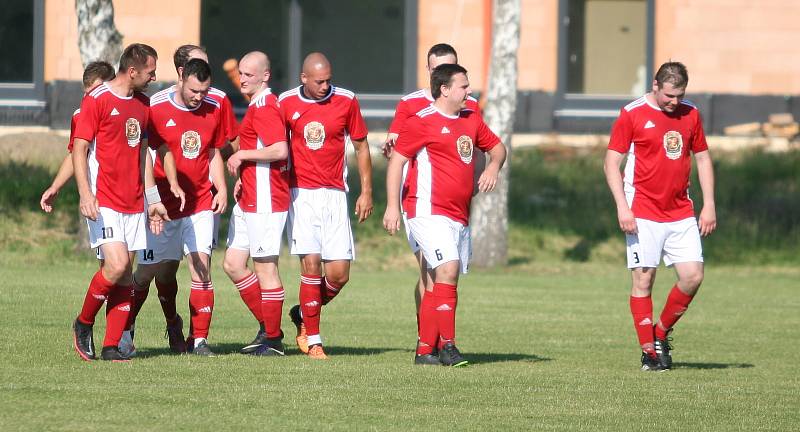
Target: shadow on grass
(226, 349)
(477, 358)
(713, 365)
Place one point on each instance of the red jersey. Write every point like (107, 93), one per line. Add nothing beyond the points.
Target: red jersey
(114, 125)
(317, 132)
(229, 124)
(440, 181)
(72, 124)
(659, 160)
(412, 103)
(265, 185)
(190, 134)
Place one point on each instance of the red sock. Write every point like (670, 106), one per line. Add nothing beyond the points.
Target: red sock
(201, 307)
(310, 302)
(271, 310)
(139, 297)
(677, 303)
(167, 295)
(329, 291)
(96, 295)
(117, 310)
(445, 297)
(428, 328)
(642, 311)
(250, 291)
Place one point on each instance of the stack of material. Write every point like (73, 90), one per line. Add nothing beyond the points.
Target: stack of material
(781, 125)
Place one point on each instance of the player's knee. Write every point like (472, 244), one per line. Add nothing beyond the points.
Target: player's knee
(116, 271)
(338, 279)
(693, 279)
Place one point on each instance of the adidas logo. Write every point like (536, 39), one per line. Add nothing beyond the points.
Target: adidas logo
(124, 308)
(99, 297)
(260, 250)
(170, 122)
(646, 321)
(312, 304)
(445, 130)
(444, 307)
(296, 115)
(204, 309)
(114, 112)
(649, 125)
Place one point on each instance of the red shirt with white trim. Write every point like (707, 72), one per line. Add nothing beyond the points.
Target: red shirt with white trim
(659, 147)
(317, 132)
(229, 124)
(114, 126)
(265, 185)
(412, 103)
(190, 134)
(440, 179)
(72, 124)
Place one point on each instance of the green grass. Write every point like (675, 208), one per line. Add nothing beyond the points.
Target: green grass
(552, 348)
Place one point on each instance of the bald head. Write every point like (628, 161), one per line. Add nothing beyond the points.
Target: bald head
(316, 76)
(253, 72)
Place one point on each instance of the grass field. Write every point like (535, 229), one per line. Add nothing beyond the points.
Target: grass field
(552, 348)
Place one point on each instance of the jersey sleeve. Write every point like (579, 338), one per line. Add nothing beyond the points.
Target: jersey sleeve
(154, 139)
(486, 139)
(356, 126)
(699, 143)
(411, 139)
(268, 124)
(229, 124)
(88, 122)
(72, 123)
(621, 133)
(401, 115)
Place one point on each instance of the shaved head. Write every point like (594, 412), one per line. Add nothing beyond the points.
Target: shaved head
(253, 72)
(314, 62)
(316, 76)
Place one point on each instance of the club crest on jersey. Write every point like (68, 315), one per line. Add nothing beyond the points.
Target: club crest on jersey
(190, 144)
(464, 148)
(133, 132)
(673, 144)
(314, 133)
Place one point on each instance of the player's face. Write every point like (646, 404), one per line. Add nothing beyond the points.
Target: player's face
(193, 91)
(251, 76)
(668, 97)
(434, 61)
(141, 77)
(317, 83)
(459, 90)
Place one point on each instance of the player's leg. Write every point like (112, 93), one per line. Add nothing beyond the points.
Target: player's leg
(235, 266)
(683, 251)
(272, 298)
(117, 269)
(311, 303)
(197, 238)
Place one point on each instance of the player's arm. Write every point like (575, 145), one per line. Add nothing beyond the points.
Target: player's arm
(394, 175)
(274, 152)
(627, 222)
(220, 201)
(229, 149)
(63, 175)
(171, 172)
(364, 201)
(88, 202)
(156, 212)
(705, 173)
(488, 178)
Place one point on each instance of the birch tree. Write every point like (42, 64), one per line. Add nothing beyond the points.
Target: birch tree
(98, 38)
(489, 214)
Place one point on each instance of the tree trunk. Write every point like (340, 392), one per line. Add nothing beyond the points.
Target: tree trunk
(98, 38)
(489, 214)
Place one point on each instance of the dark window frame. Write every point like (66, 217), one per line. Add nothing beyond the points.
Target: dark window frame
(29, 94)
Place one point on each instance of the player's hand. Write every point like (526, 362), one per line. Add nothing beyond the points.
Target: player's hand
(178, 193)
(48, 198)
(391, 220)
(627, 222)
(89, 206)
(220, 202)
(363, 207)
(233, 164)
(388, 145)
(708, 220)
(237, 190)
(156, 216)
(488, 179)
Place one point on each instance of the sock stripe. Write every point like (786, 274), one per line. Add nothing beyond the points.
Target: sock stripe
(331, 287)
(206, 286)
(246, 282)
(310, 280)
(274, 295)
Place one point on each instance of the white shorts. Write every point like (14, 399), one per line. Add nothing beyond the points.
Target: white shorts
(675, 242)
(180, 237)
(259, 233)
(113, 226)
(442, 240)
(411, 242)
(319, 223)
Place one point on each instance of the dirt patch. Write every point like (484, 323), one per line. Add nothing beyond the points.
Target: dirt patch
(36, 148)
